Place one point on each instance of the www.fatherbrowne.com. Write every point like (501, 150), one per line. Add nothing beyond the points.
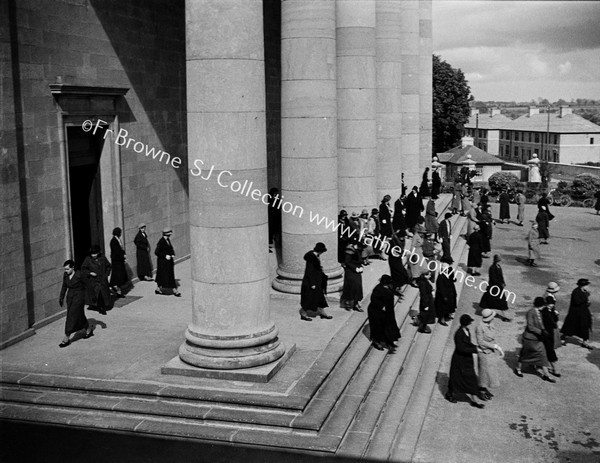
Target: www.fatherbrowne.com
(277, 201)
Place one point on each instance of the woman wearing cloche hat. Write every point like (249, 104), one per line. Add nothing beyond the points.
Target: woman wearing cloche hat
(488, 360)
(579, 319)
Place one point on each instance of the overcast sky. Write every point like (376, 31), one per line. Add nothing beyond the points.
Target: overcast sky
(521, 50)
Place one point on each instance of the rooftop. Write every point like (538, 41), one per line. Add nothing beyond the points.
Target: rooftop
(460, 153)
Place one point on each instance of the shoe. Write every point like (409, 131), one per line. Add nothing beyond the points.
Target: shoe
(306, 319)
(587, 346)
(148, 279)
(533, 264)
(477, 405)
(547, 378)
(89, 334)
(482, 396)
(158, 291)
(326, 317)
(518, 372)
(65, 344)
(177, 294)
(554, 373)
(377, 346)
(443, 323)
(476, 274)
(358, 309)
(450, 398)
(425, 330)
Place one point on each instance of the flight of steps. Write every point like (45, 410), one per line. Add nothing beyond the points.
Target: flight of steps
(353, 401)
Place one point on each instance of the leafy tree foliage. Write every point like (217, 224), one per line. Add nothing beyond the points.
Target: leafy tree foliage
(451, 97)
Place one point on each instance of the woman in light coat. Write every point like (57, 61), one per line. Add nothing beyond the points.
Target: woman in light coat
(533, 245)
(486, 355)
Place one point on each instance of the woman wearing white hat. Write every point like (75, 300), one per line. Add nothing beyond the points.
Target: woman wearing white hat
(486, 340)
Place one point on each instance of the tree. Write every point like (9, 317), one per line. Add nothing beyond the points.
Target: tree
(451, 97)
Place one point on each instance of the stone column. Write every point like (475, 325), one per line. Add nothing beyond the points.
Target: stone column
(409, 95)
(308, 139)
(426, 83)
(356, 97)
(389, 116)
(231, 326)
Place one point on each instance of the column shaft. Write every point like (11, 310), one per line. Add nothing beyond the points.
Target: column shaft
(231, 325)
(308, 138)
(389, 115)
(426, 83)
(356, 98)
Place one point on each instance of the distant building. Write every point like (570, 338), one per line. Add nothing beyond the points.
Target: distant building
(557, 137)
(485, 163)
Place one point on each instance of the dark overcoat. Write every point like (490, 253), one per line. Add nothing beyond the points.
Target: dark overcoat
(353, 288)
(313, 299)
(98, 293)
(118, 275)
(399, 222)
(165, 269)
(385, 219)
(414, 207)
(462, 368)
(74, 288)
(382, 320)
(496, 279)
(445, 295)
(550, 321)
(436, 184)
(504, 201)
(426, 301)
(142, 253)
(543, 222)
(424, 188)
(475, 242)
(578, 321)
(431, 223)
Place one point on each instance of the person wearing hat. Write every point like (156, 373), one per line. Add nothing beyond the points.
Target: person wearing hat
(414, 207)
(314, 286)
(473, 215)
(533, 351)
(142, 254)
(445, 232)
(352, 292)
(118, 275)
(533, 244)
(384, 331)
(73, 287)
(344, 230)
(550, 321)
(493, 298)
(464, 195)
(474, 259)
(431, 223)
(543, 222)
(398, 221)
(488, 360)
(165, 265)
(436, 184)
(398, 271)
(445, 294)
(426, 303)
(424, 189)
(504, 201)
(456, 192)
(385, 216)
(95, 270)
(476, 199)
(462, 377)
(374, 230)
(578, 321)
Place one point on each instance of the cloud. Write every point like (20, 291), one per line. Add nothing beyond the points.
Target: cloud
(565, 68)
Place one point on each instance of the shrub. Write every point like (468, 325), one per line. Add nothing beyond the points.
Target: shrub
(585, 186)
(501, 180)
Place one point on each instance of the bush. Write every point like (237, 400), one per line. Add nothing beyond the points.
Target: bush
(585, 186)
(501, 180)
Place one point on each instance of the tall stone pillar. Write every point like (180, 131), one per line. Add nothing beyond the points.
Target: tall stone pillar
(231, 326)
(389, 116)
(426, 83)
(308, 140)
(356, 98)
(409, 95)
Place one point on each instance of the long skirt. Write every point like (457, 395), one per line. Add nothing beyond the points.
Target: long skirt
(521, 213)
(98, 294)
(144, 264)
(534, 251)
(382, 331)
(549, 344)
(462, 374)
(493, 302)
(76, 319)
(352, 293)
(543, 233)
(398, 271)
(118, 274)
(488, 370)
(165, 274)
(534, 353)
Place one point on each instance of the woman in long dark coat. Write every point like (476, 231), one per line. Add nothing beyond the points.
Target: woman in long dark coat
(436, 184)
(492, 298)
(398, 221)
(74, 288)
(382, 320)
(426, 303)
(118, 275)
(95, 270)
(414, 206)
(165, 264)
(385, 216)
(504, 201)
(424, 189)
(445, 294)
(543, 220)
(474, 259)
(352, 294)
(462, 367)
(485, 223)
(314, 286)
(142, 254)
(578, 321)
(398, 272)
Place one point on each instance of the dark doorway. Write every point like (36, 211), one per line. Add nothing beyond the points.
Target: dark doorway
(85, 190)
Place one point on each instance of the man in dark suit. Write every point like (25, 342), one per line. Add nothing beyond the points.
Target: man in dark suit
(314, 286)
(445, 232)
(165, 265)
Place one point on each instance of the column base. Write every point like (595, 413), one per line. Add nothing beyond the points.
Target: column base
(292, 282)
(257, 374)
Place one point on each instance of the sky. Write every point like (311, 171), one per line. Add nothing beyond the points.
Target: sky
(521, 50)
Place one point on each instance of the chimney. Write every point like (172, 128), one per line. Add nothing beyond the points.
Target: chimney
(467, 141)
(564, 110)
(495, 112)
(474, 111)
(533, 110)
